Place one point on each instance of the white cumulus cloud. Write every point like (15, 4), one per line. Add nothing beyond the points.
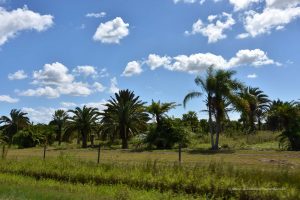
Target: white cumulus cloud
(154, 61)
(254, 57)
(199, 62)
(8, 99)
(275, 16)
(40, 114)
(242, 4)
(55, 80)
(53, 74)
(215, 29)
(41, 91)
(113, 85)
(18, 75)
(96, 15)
(21, 19)
(132, 68)
(112, 31)
(271, 18)
(68, 104)
(252, 76)
(99, 87)
(282, 3)
(86, 70)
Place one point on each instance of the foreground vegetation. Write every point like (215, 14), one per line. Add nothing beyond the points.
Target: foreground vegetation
(213, 180)
(24, 187)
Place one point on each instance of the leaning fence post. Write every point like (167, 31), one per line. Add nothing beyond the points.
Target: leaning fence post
(99, 147)
(179, 153)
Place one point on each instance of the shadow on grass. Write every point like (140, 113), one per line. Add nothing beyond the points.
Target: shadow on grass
(210, 152)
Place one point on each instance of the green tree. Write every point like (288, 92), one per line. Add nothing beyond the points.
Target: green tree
(159, 110)
(255, 105)
(84, 121)
(125, 114)
(32, 135)
(59, 120)
(18, 120)
(287, 115)
(220, 88)
(274, 122)
(191, 120)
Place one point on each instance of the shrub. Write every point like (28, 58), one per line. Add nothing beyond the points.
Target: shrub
(167, 135)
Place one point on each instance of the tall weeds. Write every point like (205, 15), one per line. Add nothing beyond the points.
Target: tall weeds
(214, 180)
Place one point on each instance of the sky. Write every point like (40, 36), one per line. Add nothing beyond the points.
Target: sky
(60, 54)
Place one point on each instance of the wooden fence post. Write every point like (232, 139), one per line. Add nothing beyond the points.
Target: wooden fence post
(99, 147)
(45, 147)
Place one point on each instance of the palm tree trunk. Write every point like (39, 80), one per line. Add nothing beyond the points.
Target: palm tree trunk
(59, 135)
(124, 138)
(218, 130)
(158, 123)
(84, 139)
(210, 122)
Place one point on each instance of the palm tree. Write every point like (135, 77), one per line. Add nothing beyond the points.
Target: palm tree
(255, 105)
(17, 121)
(206, 85)
(287, 115)
(84, 121)
(125, 114)
(159, 110)
(273, 117)
(59, 119)
(220, 89)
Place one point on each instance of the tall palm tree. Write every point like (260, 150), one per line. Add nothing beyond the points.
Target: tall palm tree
(59, 119)
(256, 104)
(125, 114)
(220, 88)
(17, 121)
(206, 83)
(84, 121)
(159, 110)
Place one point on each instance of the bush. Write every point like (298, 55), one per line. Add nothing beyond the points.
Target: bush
(167, 135)
(25, 139)
(34, 135)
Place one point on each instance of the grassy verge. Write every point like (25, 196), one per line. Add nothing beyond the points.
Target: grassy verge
(20, 187)
(215, 180)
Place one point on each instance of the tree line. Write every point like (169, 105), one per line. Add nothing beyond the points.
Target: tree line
(126, 116)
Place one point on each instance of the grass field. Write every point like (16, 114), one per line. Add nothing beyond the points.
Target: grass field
(22, 187)
(236, 174)
(238, 157)
(251, 168)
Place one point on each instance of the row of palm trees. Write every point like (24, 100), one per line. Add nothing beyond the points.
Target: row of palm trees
(125, 115)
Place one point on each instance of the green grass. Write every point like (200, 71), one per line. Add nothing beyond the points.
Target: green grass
(21, 188)
(215, 180)
(247, 167)
(262, 140)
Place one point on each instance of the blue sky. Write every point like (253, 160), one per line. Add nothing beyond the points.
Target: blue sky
(66, 53)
